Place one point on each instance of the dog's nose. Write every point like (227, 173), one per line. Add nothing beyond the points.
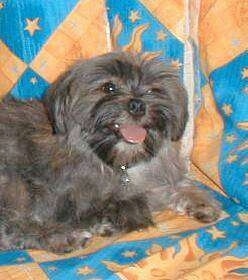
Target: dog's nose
(136, 107)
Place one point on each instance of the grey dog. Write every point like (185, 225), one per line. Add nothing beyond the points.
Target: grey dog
(98, 155)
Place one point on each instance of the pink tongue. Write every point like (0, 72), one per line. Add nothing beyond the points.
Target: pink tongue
(133, 133)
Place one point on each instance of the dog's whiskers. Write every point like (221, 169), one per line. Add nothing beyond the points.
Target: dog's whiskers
(103, 119)
(99, 144)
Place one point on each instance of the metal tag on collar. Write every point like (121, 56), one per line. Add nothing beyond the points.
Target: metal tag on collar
(124, 176)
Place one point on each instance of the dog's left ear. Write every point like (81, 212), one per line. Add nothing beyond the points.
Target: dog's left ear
(57, 102)
(180, 113)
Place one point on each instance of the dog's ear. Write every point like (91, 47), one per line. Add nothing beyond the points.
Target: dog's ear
(57, 102)
(175, 109)
(180, 114)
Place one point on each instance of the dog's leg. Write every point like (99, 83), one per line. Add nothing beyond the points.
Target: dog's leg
(105, 214)
(14, 209)
(56, 238)
(22, 228)
(128, 214)
(196, 203)
(123, 216)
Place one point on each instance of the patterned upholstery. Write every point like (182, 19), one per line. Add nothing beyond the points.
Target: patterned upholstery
(39, 39)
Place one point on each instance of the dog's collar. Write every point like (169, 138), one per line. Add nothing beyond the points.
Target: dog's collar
(124, 178)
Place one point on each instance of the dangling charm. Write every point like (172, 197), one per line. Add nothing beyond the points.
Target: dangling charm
(125, 180)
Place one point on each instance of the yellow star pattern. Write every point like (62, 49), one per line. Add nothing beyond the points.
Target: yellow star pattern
(227, 108)
(52, 268)
(134, 16)
(33, 80)
(161, 35)
(245, 73)
(231, 138)
(246, 180)
(234, 223)
(216, 233)
(236, 200)
(245, 90)
(21, 259)
(86, 270)
(32, 25)
(232, 158)
(242, 125)
(129, 254)
(176, 63)
(245, 161)
(1, 5)
(243, 217)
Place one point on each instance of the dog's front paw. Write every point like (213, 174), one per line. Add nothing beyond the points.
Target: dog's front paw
(104, 228)
(203, 211)
(196, 203)
(62, 243)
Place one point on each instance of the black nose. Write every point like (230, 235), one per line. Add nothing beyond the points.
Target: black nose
(136, 107)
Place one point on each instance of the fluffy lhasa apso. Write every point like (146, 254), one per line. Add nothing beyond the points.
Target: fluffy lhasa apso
(98, 155)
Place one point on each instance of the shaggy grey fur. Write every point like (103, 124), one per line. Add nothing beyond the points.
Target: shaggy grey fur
(60, 159)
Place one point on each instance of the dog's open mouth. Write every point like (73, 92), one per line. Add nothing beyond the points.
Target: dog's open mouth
(132, 133)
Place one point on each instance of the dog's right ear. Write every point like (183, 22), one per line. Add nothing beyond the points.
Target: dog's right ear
(57, 102)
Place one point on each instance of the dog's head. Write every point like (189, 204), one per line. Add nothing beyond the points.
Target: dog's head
(125, 105)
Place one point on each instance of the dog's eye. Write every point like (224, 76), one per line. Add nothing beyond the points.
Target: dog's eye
(153, 90)
(109, 87)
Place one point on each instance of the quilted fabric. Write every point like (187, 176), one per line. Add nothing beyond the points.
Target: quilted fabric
(220, 149)
(39, 39)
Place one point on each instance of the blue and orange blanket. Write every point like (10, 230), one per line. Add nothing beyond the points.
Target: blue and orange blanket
(206, 41)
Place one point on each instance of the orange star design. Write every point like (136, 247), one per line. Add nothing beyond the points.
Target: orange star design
(216, 233)
(227, 108)
(161, 35)
(129, 254)
(86, 270)
(231, 138)
(134, 16)
(232, 158)
(32, 25)
(245, 73)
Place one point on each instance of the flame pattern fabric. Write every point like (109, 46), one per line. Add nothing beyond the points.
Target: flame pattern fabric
(206, 41)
